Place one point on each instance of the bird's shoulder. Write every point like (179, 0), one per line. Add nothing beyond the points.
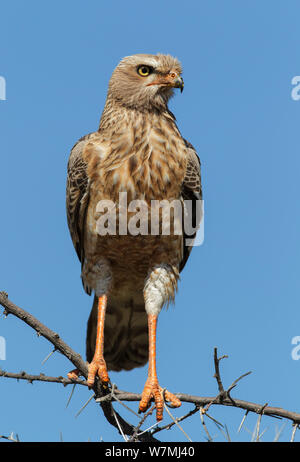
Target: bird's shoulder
(77, 191)
(76, 160)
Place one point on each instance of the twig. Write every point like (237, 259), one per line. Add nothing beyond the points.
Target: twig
(217, 374)
(234, 384)
(41, 329)
(142, 420)
(41, 378)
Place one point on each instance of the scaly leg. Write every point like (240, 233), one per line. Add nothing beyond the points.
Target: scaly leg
(152, 388)
(98, 364)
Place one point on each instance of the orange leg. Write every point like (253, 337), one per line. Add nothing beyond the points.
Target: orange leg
(98, 364)
(152, 388)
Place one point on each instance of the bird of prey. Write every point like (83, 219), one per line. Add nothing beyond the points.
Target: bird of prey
(137, 150)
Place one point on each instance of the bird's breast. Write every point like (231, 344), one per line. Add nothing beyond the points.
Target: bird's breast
(147, 164)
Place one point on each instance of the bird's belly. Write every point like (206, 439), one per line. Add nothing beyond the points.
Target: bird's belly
(131, 258)
(124, 223)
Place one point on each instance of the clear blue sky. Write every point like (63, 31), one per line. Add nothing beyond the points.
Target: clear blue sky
(240, 289)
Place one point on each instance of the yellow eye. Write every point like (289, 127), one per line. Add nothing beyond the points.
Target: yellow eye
(144, 70)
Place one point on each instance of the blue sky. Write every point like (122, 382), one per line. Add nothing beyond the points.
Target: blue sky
(240, 289)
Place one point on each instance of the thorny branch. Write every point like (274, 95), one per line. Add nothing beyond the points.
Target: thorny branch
(110, 414)
(105, 397)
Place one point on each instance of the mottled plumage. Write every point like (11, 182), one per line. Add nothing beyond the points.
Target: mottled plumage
(139, 150)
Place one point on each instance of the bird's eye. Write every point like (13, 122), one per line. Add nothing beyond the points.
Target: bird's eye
(144, 70)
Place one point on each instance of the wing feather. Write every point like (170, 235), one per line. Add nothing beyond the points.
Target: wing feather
(77, 195)
(191, 190)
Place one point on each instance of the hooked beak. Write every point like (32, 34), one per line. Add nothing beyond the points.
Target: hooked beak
(171, 80)
(178, 83)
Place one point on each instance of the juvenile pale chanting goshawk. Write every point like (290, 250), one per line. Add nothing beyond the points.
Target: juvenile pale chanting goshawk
(137, 150)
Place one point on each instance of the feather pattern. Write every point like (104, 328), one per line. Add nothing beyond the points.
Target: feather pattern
(139, 150)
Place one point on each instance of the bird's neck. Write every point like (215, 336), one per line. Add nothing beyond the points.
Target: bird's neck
(115, 115)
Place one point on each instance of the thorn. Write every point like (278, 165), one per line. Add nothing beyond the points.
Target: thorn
(71, 394)
(48, 356)
(242, 422)
(84, 406)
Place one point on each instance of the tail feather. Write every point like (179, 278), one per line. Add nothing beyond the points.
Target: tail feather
(125, 333)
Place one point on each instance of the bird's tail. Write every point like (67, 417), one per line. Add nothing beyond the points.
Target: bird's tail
(125, 334)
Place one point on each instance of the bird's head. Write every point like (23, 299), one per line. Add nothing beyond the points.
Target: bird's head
(145, 81)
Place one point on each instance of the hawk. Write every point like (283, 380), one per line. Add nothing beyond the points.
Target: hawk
(137, 150)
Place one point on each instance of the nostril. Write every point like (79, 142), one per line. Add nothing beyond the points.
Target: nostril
(173, 75)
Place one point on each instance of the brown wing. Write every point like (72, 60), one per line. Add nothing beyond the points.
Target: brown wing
(77, 195)
(192, 191)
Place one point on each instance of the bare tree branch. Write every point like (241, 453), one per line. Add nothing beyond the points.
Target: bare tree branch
(106, 396)
(41, 378)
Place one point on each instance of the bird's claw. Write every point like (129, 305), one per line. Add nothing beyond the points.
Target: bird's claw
(97, 367)
(152, 390)
(73, 374)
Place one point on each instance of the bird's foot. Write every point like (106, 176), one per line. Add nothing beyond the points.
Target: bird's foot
(74, 374)
(97, 367)
(152, 390)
